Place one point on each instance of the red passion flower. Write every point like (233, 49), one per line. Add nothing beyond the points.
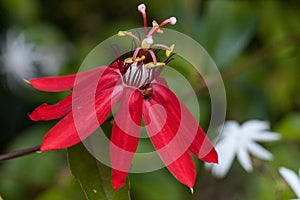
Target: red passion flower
(135, 85)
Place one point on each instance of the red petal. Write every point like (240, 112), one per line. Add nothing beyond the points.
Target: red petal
(62, 83)
(62, 135)
(84, 90)
(202, 147)
(125, 135)
(65, 133)
(162, 115)
(183, 169)
(199, 144)
(54, 83)
(49, 112)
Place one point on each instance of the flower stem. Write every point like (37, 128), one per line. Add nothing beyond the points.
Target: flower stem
(19, 153)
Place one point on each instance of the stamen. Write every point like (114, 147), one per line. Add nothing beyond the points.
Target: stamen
(140, 59)
(135, 54)
(152, 65)
(129, 60)
(155, 24)
(121, 33)
(162, 46)
(153, 56)
(168, 52)
(149, 65)
(142, 9)
(124, 33)
(171, 20)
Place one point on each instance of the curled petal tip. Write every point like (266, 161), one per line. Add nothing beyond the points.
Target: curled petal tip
(31, 117)
(211, 157)
(192, 190)
(27, 81)
(173, 20)
(116, 186)
(214, 160)
(142, 8)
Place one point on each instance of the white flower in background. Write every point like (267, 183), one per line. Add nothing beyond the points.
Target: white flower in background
(292, 179)
(51, 59)
(18, 56)
(21, 59)
(241, 141)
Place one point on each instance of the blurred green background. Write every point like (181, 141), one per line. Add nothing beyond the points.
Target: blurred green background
(256, 45)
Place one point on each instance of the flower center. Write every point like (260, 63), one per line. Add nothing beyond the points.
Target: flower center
(137, 75)
(141, 67)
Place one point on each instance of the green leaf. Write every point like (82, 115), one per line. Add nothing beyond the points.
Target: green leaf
(93, 176)
(289, 126)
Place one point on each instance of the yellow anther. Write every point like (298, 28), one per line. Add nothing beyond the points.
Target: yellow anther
(121, 33)
(168, 52)
(158, 64)
(155, 24)
(149, 65)
(129, 60)
(124, 33)
(140, 59)
(152, 65)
